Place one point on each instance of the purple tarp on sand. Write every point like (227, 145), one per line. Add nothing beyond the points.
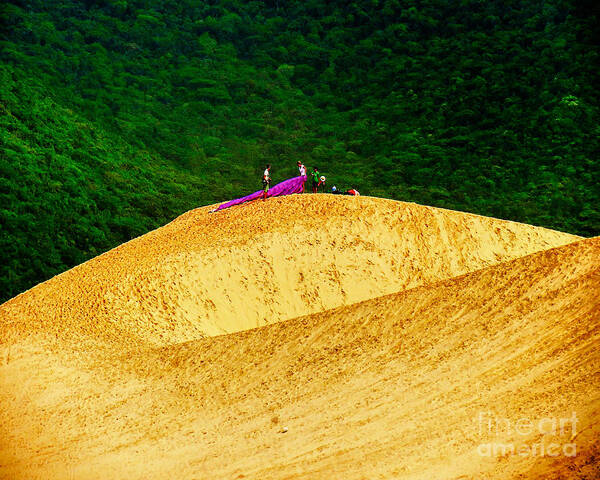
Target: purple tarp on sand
(287, 187)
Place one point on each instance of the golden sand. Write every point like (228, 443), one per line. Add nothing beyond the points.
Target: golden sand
(387, 330)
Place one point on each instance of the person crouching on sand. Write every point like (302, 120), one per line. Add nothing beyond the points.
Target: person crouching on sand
(302, 170)
(266, 181)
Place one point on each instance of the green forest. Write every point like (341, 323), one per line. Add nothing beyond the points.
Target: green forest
(118, 115)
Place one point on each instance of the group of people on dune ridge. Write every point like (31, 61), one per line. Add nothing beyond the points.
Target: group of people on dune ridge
(318, 181)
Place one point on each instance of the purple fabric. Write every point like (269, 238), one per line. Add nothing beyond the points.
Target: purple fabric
(287, 187)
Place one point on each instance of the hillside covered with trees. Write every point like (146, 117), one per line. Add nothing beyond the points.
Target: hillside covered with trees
(118, 115)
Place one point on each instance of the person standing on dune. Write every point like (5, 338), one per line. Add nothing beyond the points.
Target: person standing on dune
(315, 180)
(302, 170)
(266, 181)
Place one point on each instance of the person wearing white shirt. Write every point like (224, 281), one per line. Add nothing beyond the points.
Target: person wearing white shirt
(302, 170)
(266, 181)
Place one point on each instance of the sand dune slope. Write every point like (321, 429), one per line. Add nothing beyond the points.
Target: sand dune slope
(400, 386)
(259, 263)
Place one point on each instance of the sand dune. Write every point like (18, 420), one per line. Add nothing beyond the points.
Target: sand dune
(207, 274)
(408, 326)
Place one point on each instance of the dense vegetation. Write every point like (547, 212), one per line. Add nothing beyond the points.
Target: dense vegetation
(117, 115)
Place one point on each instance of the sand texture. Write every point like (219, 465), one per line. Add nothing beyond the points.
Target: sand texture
(385, 331)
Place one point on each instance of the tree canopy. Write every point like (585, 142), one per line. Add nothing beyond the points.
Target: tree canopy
(118, 115)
